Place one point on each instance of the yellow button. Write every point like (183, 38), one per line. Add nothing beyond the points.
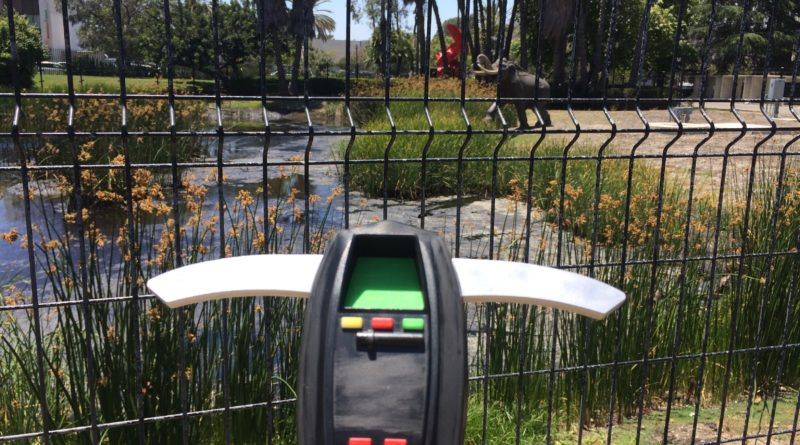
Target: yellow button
(352, 322)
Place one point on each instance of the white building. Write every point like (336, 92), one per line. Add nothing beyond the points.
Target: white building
(45, 15)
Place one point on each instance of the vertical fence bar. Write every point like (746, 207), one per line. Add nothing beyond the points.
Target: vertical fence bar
(183, 387)
(771, 243)
(41, 390)
(220, 180)
(529, 201)
(504, 136)
(609, 57)
(796, 412)
(793, 287)
(464, 5)
(640, 56)
(489, 307)
(597, 195)
(347, 86)
(264, 248)
(699, 381)
(529, 205)
(628, 189)
(82, 265)
(132, 243)
(657, 235)
(553, 376)
(426, 92)
(676, 339)
(386, 32)
(307, 29)
(745, 225)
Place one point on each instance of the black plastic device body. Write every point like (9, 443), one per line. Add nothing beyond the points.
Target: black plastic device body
(383, 374)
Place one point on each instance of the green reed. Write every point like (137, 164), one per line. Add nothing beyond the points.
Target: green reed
(676, 294)
(263, 335)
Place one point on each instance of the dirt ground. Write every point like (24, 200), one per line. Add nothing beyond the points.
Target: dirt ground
(664, 138)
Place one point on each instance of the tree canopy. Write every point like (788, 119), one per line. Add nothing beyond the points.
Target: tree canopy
(29, 50)
(288, 24)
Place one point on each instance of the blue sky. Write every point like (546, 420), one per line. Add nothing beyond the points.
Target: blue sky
(362, 31)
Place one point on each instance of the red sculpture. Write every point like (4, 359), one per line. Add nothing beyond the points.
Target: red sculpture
(453, 53)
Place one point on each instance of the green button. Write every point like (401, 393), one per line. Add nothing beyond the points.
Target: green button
(413, 324)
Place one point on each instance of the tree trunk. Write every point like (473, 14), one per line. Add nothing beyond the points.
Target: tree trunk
(523, 35)
(283, 88)
(634, 77)
(181, 18)
(581, 56)
(489, 26)
(298, 48)
(422, 43)
(559, 58)
(557, 17)
(510, 35)
(487, 46)
(476, 33)
(442, 41)
(464, 23)
(596, 69)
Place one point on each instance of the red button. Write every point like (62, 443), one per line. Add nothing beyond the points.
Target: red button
(382, 324)
(395, 442)
(359, 441)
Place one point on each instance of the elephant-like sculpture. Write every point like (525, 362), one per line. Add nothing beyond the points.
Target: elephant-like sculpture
(515, 83)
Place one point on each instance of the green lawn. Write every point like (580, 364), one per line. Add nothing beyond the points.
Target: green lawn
(682, 418)
(108, 84)
(502, 425)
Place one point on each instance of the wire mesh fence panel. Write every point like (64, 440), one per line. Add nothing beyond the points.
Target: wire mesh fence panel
(649, 144)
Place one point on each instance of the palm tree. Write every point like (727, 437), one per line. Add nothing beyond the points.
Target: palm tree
(557, 18)
(275, 18)
(419, 31)
(307, 20)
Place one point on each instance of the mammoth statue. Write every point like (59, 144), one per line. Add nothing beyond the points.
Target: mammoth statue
(515, 83)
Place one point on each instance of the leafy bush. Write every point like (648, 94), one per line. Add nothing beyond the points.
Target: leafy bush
(29, 50)
(97, 115)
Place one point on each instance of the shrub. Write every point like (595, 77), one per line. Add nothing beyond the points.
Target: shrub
(97, 115)
(29, 50)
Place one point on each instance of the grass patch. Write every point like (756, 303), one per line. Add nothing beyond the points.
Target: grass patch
(57, 83)
(404, 179)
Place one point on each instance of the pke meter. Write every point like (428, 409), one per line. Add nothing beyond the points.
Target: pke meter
(384, 359)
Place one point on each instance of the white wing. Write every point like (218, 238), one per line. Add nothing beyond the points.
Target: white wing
(244, 276)
(293, 275)
(510, 282)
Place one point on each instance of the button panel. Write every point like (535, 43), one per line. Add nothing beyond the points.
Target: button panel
(352, 322)
(382, 324)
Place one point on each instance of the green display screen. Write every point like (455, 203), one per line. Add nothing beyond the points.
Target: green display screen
(384, 283)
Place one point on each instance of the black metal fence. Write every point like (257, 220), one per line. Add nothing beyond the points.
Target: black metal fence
(690, 202)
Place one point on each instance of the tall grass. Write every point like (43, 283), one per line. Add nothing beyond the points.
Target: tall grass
(263, 336)
(676, 295)
(97, 115)
(404, 180)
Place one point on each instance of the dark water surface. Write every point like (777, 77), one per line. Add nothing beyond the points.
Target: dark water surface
(47, 208)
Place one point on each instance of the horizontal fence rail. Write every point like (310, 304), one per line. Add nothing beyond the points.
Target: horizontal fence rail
(659, 156)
